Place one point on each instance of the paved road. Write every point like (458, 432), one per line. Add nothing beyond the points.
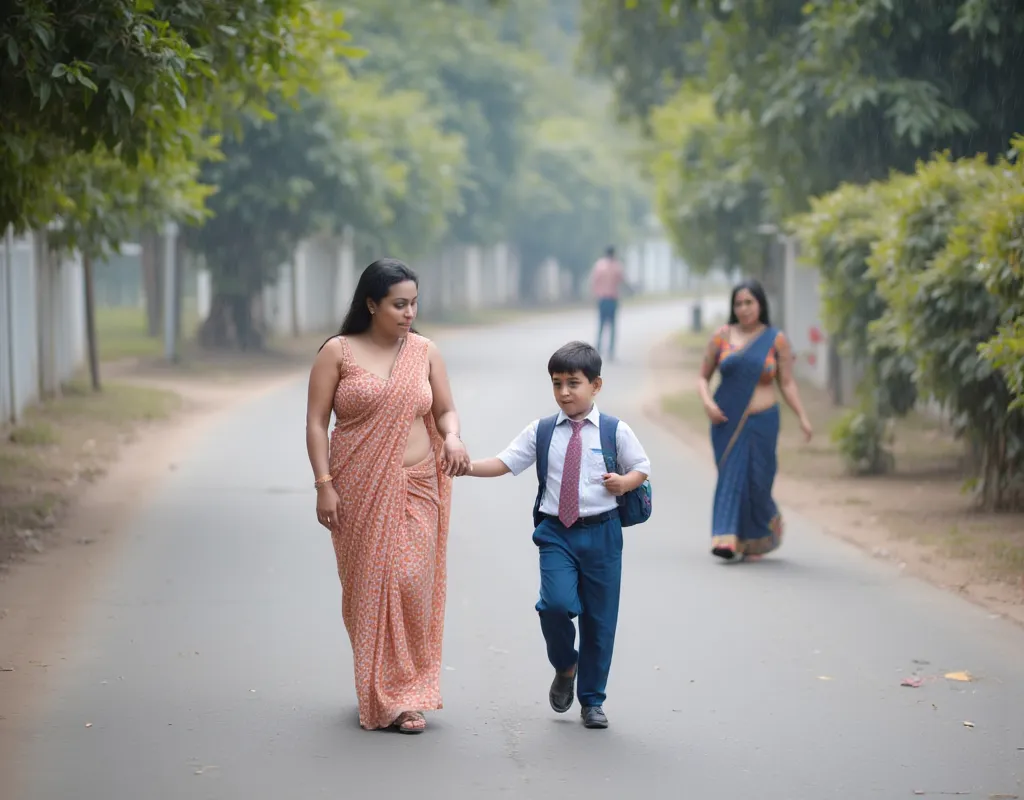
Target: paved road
(213, 663)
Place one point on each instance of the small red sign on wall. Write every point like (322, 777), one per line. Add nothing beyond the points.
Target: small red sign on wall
(816, 336)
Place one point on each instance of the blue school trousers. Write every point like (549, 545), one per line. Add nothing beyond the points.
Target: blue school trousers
(580, 574)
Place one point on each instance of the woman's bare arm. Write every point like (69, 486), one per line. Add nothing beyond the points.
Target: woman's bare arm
(323, 383)
(787, 382)
(708, 365)
(445, 415)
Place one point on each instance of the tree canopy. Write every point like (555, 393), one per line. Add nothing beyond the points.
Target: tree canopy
(129, 79)
(827, 91)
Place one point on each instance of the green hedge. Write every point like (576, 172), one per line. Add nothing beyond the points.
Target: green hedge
(923, 285)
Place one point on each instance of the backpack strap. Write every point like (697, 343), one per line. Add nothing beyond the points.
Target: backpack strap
(609, 449)
(545, 430)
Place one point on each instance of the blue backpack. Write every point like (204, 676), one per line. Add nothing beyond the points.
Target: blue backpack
(634, 506)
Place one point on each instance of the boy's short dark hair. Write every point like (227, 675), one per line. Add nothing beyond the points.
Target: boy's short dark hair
(576, 357)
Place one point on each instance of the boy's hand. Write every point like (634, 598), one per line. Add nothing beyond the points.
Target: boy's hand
(616, 484)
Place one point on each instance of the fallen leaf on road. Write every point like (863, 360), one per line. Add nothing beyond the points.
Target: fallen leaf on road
(968, 724)
(913, 683)
(824, 678)
(88, 724)
(6, 669)
(963, 677)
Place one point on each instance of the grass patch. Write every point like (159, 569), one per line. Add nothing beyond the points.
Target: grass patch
(35, 434)
(62, 445)
(122, 332)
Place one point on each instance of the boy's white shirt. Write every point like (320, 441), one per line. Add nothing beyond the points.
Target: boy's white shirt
(521, 454)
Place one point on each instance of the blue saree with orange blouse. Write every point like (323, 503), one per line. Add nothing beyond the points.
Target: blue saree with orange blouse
(745, 519)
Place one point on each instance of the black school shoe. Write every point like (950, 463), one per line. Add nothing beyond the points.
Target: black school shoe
(561, 693)
(594, 717)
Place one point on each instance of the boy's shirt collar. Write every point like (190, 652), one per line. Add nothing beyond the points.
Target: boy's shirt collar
(594, 417)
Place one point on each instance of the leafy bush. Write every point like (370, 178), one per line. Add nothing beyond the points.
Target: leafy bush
(923, 283)
(865, 442)
(838, 235)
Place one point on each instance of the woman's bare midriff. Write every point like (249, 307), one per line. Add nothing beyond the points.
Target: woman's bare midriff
(418, 445)
(763, 399)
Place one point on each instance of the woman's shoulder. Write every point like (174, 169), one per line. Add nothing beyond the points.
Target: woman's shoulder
(722, 335)
(335, 345)
(420, 342)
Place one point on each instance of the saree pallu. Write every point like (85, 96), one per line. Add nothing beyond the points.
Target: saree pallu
(391, 539)
(745, 518)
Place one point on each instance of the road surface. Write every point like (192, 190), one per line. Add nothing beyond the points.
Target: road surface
(212, 662)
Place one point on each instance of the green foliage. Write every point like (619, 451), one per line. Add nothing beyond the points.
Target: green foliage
(571, 197)
(644, 52)
(349, 154)
(131, 77)
(922, 277)
(1002, 264)
(830, 91)
(102, 202)
(544, 165)
(865, 442)
(476, 82)
(708, 193)
(838, 235)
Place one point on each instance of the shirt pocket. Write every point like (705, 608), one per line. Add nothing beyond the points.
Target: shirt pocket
(595, 466)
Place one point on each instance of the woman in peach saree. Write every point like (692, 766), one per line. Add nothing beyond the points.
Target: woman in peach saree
(384, 490)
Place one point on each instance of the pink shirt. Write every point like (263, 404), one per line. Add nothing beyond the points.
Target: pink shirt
(606, 279)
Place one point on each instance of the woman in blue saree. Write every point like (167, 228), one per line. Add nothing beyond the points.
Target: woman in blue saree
(752, 358)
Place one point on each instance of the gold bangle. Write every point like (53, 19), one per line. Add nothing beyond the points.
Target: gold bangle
(323, 480)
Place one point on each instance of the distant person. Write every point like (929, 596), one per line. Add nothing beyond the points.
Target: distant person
(592, 474)
(384, 490)
(751, 357)
(606, 281)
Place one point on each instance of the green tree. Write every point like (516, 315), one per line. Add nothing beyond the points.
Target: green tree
(573, 199)
(475, 81)
(939, 304)
(833, 91)
(709, 190)
(347, 155)
(922, 282)
(130, 75)
(102, 202)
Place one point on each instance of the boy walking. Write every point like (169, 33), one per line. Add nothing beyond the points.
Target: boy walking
(578, 525)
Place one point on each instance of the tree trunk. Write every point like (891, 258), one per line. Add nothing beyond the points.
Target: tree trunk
(230, 324)
(90, 324)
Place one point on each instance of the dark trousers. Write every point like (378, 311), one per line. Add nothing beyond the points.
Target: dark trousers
(607, 310)
(580, 572)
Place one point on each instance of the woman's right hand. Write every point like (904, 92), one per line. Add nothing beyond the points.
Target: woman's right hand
(715, 413)
(328, 507)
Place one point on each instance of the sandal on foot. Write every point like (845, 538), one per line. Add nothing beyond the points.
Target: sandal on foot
(725, 553)
(410, 722)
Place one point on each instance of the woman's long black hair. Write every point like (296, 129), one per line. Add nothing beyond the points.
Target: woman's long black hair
(755, 288)
(374, 284)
